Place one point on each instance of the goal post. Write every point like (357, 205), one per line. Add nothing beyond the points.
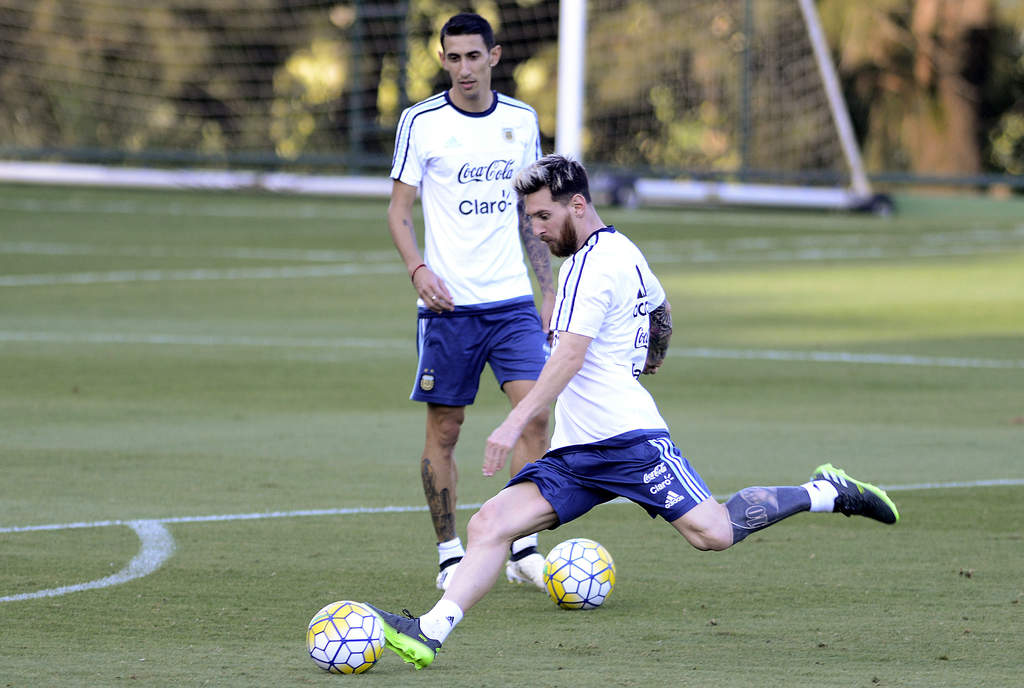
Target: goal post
(712, 102)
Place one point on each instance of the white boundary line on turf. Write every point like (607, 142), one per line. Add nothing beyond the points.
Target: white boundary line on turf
(206, 340)
(157, 251)
(157, 543)
(372, 343)
(349, 269)
(197, 275)
(157, 547)
(847, 357)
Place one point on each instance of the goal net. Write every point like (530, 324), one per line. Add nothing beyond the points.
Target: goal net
(676, 84)
(704, 90)
(722, 90)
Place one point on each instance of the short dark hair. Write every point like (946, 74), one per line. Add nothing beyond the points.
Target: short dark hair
(563, 177)
(467, 24)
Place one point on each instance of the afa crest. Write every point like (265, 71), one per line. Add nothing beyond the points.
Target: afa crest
(508, 134)
(426, 382)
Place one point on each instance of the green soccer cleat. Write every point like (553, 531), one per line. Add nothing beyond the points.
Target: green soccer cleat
(856, 497)
(403, 636)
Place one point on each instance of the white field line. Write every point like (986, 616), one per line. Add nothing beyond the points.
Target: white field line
(684, 249)
(848, 357)
(375, 210)
(205, 340)
(396, 344)
(39, 248)
(810, 247)
(827, 254)
(369, 510)
(157, 544)
(287, 213)
(200, 274)
(344, 269)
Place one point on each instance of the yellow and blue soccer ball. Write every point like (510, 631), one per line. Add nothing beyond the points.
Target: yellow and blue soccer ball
(345, 638)
(579, 574)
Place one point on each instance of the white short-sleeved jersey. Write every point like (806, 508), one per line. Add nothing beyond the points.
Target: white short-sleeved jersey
(464, 164)
(605, 291)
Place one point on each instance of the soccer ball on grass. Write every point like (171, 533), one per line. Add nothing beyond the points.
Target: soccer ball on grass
(345, 638)
(579, 574)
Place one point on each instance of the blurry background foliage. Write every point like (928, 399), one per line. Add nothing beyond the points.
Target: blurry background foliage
(935, 87)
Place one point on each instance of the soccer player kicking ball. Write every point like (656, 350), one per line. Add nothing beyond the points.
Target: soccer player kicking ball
(612, 322)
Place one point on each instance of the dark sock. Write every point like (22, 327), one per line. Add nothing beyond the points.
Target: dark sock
(755, 508)
(523, 553)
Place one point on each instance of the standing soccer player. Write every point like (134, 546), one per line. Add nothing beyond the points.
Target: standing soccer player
(462, 149)
(612, 324)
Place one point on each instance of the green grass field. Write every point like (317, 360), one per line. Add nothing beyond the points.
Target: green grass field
(168, 357)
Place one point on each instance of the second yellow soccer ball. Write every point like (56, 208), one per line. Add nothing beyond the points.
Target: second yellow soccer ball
(579, 574)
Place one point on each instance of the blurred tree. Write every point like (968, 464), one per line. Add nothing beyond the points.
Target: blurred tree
(935, 86)
(919, 77)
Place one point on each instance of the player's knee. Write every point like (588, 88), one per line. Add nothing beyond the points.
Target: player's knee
(445, 428)
(492, 523)
(707, 527)
(448, 434)
(485, 524)
(708, 541)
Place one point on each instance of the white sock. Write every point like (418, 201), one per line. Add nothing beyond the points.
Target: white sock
(524, 542)
(823, 495)
(439, 621)
(450, 550)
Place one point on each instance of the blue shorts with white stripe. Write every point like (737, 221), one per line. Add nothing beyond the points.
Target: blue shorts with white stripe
(644, 466)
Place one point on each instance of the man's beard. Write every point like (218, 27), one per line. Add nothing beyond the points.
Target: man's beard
(566, 244)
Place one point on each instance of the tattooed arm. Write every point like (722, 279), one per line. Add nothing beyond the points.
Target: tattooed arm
(661, 332)
(540, 259)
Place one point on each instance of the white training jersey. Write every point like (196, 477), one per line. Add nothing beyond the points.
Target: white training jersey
(464, 164)
(605, 291)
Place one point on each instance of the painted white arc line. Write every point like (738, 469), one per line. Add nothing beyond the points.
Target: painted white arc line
(157, 545)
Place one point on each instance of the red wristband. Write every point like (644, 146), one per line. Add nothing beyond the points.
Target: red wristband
(413, 275)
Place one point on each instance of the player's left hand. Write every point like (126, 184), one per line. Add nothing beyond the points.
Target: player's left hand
(432, 290)
(654, 361)
(652, 368)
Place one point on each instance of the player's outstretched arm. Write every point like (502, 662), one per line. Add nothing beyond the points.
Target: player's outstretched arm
(566, 360)
(661, 332)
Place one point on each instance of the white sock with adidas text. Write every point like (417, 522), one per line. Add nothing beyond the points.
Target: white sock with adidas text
(439, 621)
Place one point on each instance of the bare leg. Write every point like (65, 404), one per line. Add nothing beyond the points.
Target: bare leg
(438, 469)
(515, 511)
(706, 526)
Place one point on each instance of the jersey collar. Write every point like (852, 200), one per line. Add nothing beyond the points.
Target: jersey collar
(494, 104)
(592, 239)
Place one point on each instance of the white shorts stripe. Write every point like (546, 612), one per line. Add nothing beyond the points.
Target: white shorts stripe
(673, 459)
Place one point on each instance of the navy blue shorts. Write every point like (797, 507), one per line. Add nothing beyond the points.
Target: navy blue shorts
(454, 347)
(643, 466)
